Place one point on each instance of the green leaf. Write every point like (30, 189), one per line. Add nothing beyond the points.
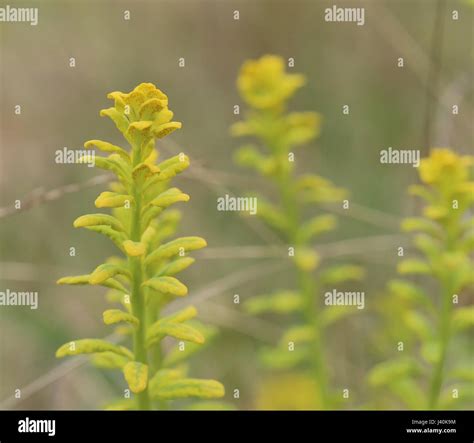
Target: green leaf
(190, 387)
(160, 329)
(420, 224)
(127, 404)
(164, 376)
(431, 351)
(418, 324)
(175, 247)
(118, 118)
(298, 334)
(98, 220)
(281, 302)
(167, 285)
(409, 292)
(341, 273)
(112, 316)
(170, 196)
(107, 147)
(109, 360)
(85, 280)
(389, 371)
(306, 259)
(172, 166)
(408, 392)
(178, 354)
(272, 215)
(248, 156)
(413, 266)
(115, 164)
(283, 358)
(91, 346)
(112, 200)
(315, 226)
(463, 373)
(134, 249)
(176, 266)
(332, 314)
(182, 315)
(463, 318)
(136, 375)
(117, 237)
(106, 271)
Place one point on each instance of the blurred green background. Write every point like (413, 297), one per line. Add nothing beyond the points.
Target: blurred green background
(344, 64)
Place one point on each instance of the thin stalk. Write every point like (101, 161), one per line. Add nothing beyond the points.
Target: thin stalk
(444, 337)
(138, 300)
(306, 285)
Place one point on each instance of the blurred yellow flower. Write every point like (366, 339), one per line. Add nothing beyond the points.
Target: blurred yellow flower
(264, 84)
(444, 165)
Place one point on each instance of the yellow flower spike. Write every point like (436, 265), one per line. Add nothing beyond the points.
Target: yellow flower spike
(141, 115)
(264, 84)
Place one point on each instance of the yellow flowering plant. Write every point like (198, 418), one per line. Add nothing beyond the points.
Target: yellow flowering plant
(426, 322)
(266, 87)
(143, 278)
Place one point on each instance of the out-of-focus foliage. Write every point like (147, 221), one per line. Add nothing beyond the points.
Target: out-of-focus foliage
(266, 87)
(428, 318)
(143, 278)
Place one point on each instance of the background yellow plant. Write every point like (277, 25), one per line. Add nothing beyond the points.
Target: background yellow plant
(428, 323)
(266, 87)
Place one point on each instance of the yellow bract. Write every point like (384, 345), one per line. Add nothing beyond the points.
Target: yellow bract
(142, 113)
(264, 84)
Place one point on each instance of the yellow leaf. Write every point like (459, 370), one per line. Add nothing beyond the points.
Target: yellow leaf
(109, 360)
(174, 247)
(176, 266)
(183, 315)
(190, 387)
(163, 130)
(112, 316)
(134, 249)
(392, 370)
(181, 331)
(167, 285)
(105, 271)
(112, 200)
(91, 346)
(170, 196)
(136, 375)
(306, 259)
(107, 147)
(85, 280)
(97, 220)
(413, 266)
(280, 302)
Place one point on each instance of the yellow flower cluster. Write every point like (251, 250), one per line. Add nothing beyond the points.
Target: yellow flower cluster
(264, 84)
(444, 165)
(450, 190)
(142, 113)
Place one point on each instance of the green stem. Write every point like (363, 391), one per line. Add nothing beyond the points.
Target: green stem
(138, 301)
(444, 337)
(306, 284)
